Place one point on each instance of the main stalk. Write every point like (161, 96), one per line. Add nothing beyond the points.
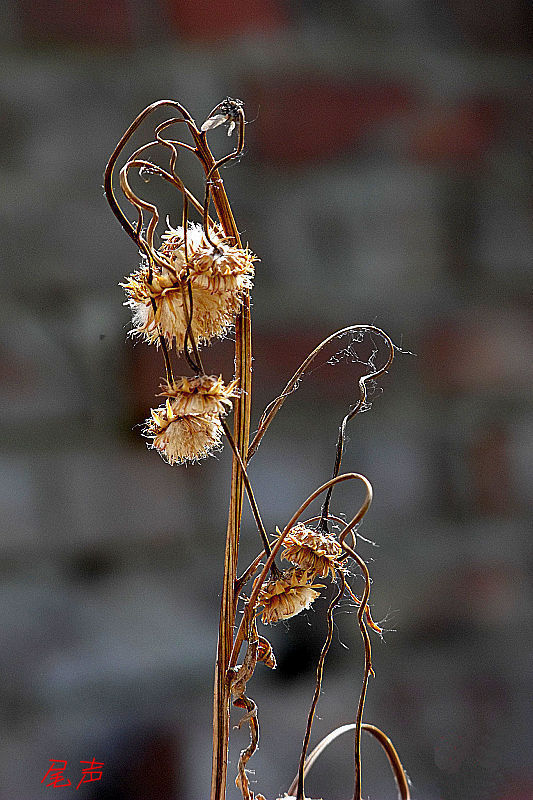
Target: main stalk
(241, 435)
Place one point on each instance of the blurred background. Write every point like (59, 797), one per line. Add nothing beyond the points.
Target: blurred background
(386, 181)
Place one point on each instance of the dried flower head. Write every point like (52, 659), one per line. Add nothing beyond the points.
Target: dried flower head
(287, 595)
(219, 275)
(179, 438)
(203, 394)
(187, 427)
(312, 550)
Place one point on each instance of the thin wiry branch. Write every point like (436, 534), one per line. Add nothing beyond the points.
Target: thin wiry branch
(274, 407)
(251, 497)
(300, 795)
(367, 671)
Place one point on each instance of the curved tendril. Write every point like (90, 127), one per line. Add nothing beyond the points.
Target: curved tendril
(139, 203)
(144, 205)
(250, 605)
(172, 143)
(171, 176)
(330, 517)
(235, 153)
(394, 760)
(108, 174)
(350, 415)
(273, 408)
(300, 795)
(383, 739)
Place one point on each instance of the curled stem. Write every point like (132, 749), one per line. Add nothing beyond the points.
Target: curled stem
(215, 168)
(271, 410)
(385, 742)
(240, 678)
(108, 174)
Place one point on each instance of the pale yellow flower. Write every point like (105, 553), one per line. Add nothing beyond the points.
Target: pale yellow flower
(219, 276)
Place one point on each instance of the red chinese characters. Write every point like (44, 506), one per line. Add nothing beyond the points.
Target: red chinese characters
(55, 775)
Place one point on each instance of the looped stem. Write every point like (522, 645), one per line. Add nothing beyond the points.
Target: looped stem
(390, 751)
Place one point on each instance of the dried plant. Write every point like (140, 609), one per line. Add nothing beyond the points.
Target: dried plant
(188, 290)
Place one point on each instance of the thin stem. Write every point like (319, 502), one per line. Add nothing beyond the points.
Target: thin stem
(394, 759)
(249, 491)
(367, 667)
(164, 348)
(273, 408)
(350, 415)
(248, 572)
(241, 434)
(300, 795)
(214, 171)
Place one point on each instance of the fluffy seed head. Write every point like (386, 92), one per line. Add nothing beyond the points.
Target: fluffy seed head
(219, 277)
(311, 550)
(180, 438)
(287, 595)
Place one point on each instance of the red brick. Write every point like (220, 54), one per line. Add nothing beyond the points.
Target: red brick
(211, 20)
(309, 119)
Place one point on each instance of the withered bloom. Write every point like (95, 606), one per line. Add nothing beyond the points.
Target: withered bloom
(187, 427)
(287, 595)
(203, 394)
(218, 277)
(312, 550)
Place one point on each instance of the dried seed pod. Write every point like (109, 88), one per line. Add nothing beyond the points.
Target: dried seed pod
(286, 596)
(187, 427)
(312, 550)
(180, 438)
(203, 394)
(219, 275)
